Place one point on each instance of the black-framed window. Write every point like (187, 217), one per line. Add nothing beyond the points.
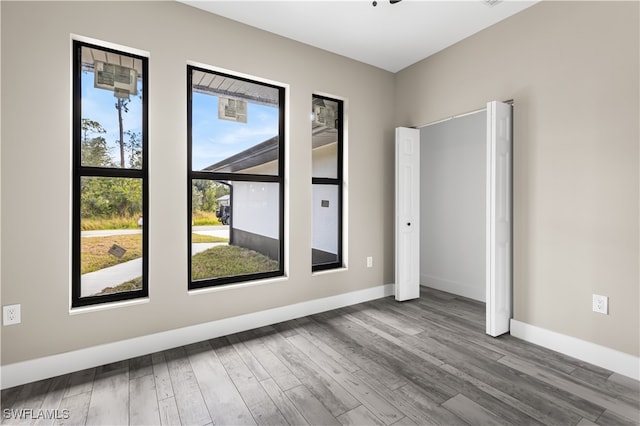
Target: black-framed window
(235, 133)
(327, 182)
(110, 220)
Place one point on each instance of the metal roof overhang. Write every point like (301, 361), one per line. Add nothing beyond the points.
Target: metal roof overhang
(233, 88)
(229, 87)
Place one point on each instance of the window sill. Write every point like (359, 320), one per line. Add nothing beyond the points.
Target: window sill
(329, 271)
(232, 286)
(105, 306)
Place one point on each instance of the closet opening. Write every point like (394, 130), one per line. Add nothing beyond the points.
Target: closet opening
(462, 210)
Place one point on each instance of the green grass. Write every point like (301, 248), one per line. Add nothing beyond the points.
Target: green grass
(95, 224)
(216, 262)
(201, 218)
(134, 284)
(201, 238)
(224, 261)
(95, 250)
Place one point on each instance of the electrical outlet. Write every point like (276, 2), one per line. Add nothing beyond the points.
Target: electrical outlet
(601, 304)
(11, 314)
(370, 262)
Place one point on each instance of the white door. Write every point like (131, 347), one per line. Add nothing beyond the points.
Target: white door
(407, 213)
(498, 267)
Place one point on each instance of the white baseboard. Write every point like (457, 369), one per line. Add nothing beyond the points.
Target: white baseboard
(611, 359)
(478, 293)
(55, 365)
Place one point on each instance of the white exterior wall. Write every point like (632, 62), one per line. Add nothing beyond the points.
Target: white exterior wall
(255, 205)
(255, 208)
(325, 218)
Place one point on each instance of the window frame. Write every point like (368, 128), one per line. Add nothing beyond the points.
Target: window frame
(238, 177)
(337, 181)
(80, 171)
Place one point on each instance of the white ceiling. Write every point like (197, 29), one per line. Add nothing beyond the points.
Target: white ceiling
(388, 36)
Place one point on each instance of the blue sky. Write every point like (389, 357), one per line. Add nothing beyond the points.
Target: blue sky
(99, 105)
(213, 139)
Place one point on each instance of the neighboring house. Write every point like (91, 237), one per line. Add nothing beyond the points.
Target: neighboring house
(224, 200)
(254, 216)
(254, 205)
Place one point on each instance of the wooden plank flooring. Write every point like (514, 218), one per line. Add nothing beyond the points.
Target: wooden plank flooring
(420, 362)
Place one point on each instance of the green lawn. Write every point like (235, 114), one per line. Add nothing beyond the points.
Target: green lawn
(201, 238)
(95, 250)
(116, 222)
(224, 261)
(200, 217)
(220, 261)
(134, 284)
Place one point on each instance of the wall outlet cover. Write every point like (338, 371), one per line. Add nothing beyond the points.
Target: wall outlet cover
(11, 314)
(601, 304)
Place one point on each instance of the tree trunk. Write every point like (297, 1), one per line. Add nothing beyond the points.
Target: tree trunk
(120, 124)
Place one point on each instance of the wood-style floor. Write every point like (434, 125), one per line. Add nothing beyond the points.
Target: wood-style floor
(421, 362)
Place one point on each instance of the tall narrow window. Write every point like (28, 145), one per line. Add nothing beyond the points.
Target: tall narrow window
(236, 178)
(327, 137)
(109, 175)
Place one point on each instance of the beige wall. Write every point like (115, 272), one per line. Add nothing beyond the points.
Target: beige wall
(36, 167)
(572, 70)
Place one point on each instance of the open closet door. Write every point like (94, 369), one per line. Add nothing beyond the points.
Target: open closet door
(407, 213)
(498, 266)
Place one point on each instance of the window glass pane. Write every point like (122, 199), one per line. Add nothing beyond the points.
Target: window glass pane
(235, 125)
(251, 211)
(325, 161)
(111, 235)
(111, 109)
(325, 241)
(209, 202)
(325, 138)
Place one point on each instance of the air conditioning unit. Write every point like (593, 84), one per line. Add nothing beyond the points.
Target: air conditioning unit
(324, 116)
(122, 81)
(232, 109)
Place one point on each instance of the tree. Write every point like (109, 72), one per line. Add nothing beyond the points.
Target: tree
(94, 151)
(134, 145)
(92, 126)
(205, 194)
(103, 197)
(107, 197)
(121, 105)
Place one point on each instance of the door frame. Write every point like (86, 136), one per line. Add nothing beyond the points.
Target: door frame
(498, 286)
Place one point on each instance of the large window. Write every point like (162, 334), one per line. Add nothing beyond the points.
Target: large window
(326, 182)
(109, 175)
(236, 178)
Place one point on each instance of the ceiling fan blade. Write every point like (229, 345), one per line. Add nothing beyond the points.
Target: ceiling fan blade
(394, 1)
